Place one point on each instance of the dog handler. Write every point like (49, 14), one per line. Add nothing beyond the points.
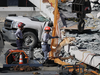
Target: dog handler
(19, 36)
(45, 46)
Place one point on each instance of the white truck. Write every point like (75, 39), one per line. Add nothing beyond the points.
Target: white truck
(34, 26)
(32, 31)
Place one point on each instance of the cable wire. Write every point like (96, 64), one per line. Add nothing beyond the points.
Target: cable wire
(83, 56)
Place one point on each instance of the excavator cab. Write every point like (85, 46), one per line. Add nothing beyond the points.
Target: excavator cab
(81, 7)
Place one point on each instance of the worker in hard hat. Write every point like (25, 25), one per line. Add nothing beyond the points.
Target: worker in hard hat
(45, 46)
(19, 36)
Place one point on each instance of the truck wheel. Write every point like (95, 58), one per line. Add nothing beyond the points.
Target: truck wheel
(29, 39)
(81, 25)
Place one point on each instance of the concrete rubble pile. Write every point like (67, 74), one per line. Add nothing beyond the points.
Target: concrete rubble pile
(89, 39)
(95, 4)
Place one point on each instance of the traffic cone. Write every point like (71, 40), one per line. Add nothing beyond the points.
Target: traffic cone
(20, 59)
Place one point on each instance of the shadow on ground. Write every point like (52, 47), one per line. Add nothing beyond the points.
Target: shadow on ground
(13, 44)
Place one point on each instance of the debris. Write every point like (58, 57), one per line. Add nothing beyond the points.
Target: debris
(24, 68)
(88, 39)
(35, 73)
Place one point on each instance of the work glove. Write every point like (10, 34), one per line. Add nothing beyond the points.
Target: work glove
(18, 38)
(56, 37)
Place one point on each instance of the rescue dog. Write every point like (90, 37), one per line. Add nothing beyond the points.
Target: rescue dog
(65, 41)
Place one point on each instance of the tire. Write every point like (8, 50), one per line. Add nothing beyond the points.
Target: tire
(30, 39)
(81, 25)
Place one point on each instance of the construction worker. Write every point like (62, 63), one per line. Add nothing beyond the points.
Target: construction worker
(45, 46)
(19, 36)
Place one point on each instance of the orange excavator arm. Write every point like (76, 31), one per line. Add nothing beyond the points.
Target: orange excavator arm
(55, 32)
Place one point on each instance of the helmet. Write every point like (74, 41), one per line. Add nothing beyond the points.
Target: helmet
(47, 28)
(21, 24)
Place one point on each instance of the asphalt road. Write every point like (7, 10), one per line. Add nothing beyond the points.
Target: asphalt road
(7, 45)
